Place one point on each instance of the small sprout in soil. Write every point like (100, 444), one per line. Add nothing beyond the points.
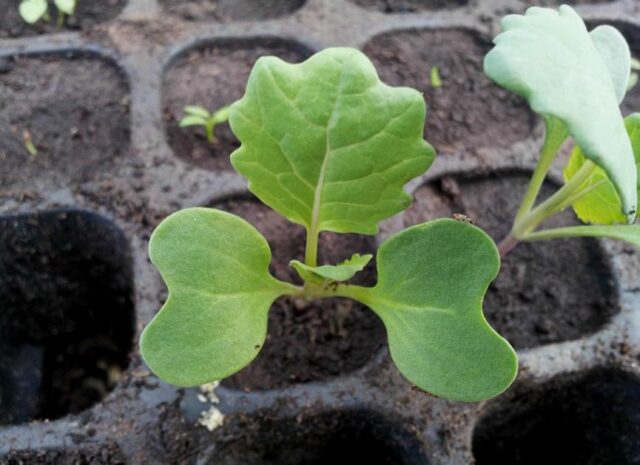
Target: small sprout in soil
(195, 115)
(329, 146)
(576, 80)
(32, 11)
(28, 143)
(436, 81)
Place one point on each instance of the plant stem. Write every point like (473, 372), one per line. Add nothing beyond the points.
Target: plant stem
(556, 134)
(311, 248)
(60, 21)
(507, 245)
(559, 233)
(209, 129)
(552, 205)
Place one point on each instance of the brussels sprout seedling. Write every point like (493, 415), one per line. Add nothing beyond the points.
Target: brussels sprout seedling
(329, 146)
(33, 11)
(576, 80)
(195, 115)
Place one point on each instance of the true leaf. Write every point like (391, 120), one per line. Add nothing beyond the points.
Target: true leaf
(32, 10)
(550, 58)
(431, 282)
(66, 6)
(214, 321)
(601, 205)
(340, 272)
(326, 143)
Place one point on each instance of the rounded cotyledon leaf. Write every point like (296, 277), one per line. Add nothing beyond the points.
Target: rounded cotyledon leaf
(214, 321)
(565, 72)
(31, 11)
(601, 204)
(326, 143)
(431, 282)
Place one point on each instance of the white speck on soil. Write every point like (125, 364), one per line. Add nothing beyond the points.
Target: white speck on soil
(211, 418)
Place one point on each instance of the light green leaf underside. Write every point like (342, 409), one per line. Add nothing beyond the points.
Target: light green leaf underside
(192, 121)
(550, 58)
(431, 282)
(602, 204)
(340, 272)
(214, 321)
(326, 143)
(32, 10)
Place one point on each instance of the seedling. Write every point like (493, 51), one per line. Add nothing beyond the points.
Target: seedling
(27, 141)
(33, 11)
(576, 80)
(329, 146)
(199, 116)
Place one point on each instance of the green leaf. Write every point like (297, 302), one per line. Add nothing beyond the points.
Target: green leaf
(340, 272)
(222, 114)
(601, 205)
(431, 282)
(32, 11)
(192, 121)
(196, 110)
(214, 321)
(326, 143)
(66, 6)
(550, 58)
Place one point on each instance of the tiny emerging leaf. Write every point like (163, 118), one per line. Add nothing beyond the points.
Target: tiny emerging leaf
(31, 11)
(326, 143)
(197, 110)
(191, 120)
(601, 203)
(338, 273)
(550, 58)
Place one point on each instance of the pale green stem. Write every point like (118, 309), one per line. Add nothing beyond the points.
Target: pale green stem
(209, 129)
(578, 195)
(311, 249)
(60, 21)
(556, 134)
(550, 206)
(559, 233)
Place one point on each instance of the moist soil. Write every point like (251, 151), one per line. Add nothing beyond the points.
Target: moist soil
(468, 111)
(214, 77)
(230, 10)
(108, 454)
(409, 6)
(74, 109)
(66, 313)
(88, 14)
(308, 341)
(547, 291)
(591, 418)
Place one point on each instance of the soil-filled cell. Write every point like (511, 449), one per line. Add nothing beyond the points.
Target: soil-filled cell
(212, 77)
(66, 313)
(73, 110)
(590, 419)
(308, 341)
(99, 455)
(546, 291)
(88, 13)
(467, 111)
(230, 10)
(409, 6)
(337, 438)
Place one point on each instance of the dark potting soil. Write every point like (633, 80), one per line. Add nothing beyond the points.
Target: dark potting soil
(88, 13)
(230, 10)
(409, 6)
(546, 291)
(468, 111)
(591, 418)
(100, 455)
(308, 341)
(76, 110)
(66, 313)
(214, 77)
(334, 437)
